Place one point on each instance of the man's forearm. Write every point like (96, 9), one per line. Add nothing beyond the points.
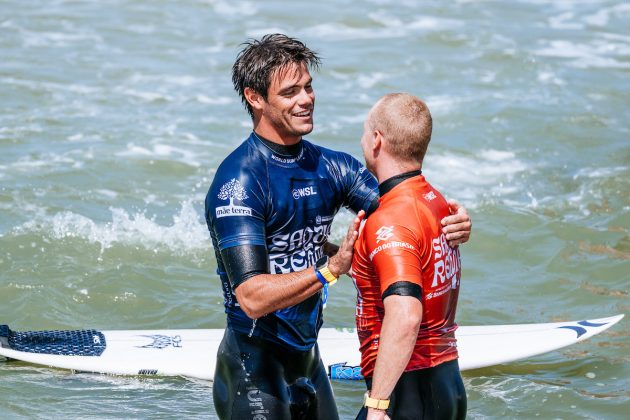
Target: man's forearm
(266, 293)
(399, 333)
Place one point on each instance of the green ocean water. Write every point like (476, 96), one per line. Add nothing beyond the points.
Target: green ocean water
(114, 116)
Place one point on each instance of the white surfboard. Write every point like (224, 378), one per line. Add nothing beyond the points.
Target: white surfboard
(192, 353)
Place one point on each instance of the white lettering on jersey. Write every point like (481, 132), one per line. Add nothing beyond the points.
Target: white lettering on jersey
(389, 245)
(295, 251)
(287, 160)
(446, 264)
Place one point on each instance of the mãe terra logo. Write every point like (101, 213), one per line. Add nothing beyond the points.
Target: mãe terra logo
(232, 190)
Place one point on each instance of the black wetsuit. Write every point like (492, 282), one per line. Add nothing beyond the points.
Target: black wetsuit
(435, 393)
(258, 380)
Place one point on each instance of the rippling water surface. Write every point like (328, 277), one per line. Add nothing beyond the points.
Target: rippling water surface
(114, 116)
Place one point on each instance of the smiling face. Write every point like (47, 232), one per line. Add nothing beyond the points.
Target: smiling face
(287, 113)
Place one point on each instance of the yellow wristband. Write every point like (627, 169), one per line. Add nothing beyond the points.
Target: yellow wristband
(370, 402)
(330, 277)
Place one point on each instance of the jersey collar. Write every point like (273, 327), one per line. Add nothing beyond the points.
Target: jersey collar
(387, 185)
(286, 155)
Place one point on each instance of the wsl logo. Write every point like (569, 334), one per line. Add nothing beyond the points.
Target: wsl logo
(303, 192)
(231, 190)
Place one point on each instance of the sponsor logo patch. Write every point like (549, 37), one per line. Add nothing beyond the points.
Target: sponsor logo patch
(430, 196)
(233, 190)
(384, 233)
(303, 192)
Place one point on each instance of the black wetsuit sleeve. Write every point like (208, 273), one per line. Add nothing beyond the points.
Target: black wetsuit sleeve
(243, 262)
(361, 188)
(404, 288)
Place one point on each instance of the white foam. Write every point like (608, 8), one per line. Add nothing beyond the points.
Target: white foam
(229, 8)
(216, 100)
(597, 53)
(367, 81)
(337, 31)
(259, 32)
(549, 77)
(186, 234)
(600, 172)
(565, 21)
(161, 151)
(139, 28)
(147, 96)
(388, 26)
(470, 178)
(58, 39)
(48, 160)
(424, 23)
(443, 104)
(602, 17)
(107, 193)
(165, 79)
(51, 86)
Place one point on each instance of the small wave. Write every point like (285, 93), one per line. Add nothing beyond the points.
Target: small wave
(161, 151)
(147, 96)
(489, 172)
(215, 100)
(600, 53)
(187, 233)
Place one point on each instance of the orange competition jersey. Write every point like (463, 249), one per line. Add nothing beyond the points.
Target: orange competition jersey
(402, 241)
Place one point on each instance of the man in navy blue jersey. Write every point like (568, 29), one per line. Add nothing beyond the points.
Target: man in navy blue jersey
(269, 211)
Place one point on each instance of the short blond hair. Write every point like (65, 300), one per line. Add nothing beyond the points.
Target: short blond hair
(405, 122)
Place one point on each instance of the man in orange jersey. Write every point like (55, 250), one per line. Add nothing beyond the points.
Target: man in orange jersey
(407, 276)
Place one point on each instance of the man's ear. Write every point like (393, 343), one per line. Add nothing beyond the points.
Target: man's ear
(377, 143)
(253, 98)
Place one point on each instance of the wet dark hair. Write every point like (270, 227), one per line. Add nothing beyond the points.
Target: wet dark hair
(260, 59)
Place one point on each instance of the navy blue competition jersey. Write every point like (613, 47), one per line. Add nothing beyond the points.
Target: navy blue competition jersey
(285, 203)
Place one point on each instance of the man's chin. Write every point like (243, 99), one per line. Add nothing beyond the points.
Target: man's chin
(304, 130)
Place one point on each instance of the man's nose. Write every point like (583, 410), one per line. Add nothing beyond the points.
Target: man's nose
(306, 97)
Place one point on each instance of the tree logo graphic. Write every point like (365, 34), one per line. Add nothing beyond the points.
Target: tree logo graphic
(231, 190)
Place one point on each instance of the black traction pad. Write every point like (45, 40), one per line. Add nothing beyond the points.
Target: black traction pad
(60, 342)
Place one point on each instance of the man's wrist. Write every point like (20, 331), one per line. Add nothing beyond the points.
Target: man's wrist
(375, 403)
(322, 270)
